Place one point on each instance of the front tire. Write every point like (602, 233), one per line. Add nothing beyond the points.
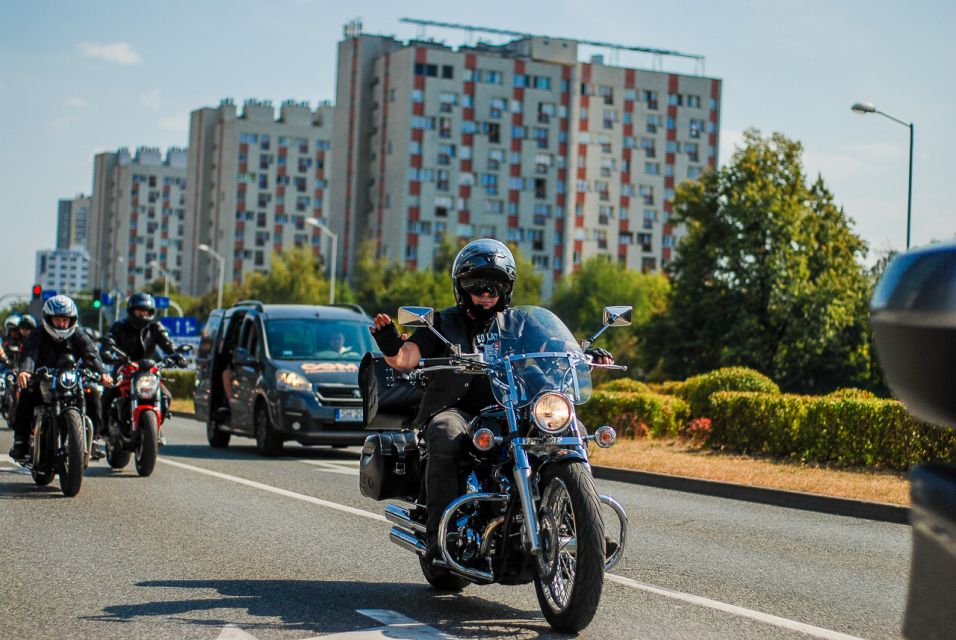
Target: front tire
(148, 448)
(117, 457)
(268, 442)
(71, 475)
(570, 571)
(217, 439)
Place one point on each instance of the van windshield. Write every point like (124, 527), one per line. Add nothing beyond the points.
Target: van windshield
(317, 339)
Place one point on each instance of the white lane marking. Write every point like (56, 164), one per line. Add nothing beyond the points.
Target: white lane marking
(349, 468)
(281, 492)
(396, 626)
(785, 623)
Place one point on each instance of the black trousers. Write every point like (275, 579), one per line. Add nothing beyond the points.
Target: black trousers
(446, 437)
(30, 400)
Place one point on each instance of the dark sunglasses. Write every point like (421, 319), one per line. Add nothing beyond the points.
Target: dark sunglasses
(478, 286)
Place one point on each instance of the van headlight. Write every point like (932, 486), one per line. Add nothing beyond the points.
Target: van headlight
(292, 380)
(552, 412)
(146, 386)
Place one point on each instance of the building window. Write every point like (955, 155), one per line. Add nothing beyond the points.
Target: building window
(428, 70)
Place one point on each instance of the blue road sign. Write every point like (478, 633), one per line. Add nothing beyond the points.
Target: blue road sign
(106, 299)
(46, 294)
(162, 302)
(181, 327)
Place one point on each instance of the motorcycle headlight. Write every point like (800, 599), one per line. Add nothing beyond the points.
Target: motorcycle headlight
(146, 386)
(552, 412)
(68, 379)
(292, 380)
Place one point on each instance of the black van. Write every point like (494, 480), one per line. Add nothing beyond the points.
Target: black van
(282, 372)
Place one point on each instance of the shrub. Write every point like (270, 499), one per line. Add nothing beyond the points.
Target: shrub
(180, 382)
(667, 387)
(635, 415)
(625, 384)
(853, 431)
(852, 392)
(698, 389)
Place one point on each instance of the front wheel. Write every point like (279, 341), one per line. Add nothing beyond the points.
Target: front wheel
(148, 447)
(268, 442)
(217, 439)
(117, 456)
(570, 568)
(71, 474)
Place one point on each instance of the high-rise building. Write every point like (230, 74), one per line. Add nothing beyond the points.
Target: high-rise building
(71, 221)
(63, 270)
(254, 180)
(521, 142)
(137, 218)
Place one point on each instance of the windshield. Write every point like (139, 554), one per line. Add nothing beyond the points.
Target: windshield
(560, 365)
(316, 339)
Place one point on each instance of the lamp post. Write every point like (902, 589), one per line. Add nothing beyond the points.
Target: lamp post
(864, 108)
(334, 241)
(155, 264)
(116, 301)
(222, 269)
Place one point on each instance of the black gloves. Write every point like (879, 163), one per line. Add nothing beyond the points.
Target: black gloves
(388, 339)
(598, 352)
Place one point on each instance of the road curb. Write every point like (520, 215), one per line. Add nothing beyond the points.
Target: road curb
(776, 497)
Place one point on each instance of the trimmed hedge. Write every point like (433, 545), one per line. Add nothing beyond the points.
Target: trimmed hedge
(635, 415)
(625, 384)
(180, 382)
(852, 392)
(698, 389)
(852, 431)
(667, 387)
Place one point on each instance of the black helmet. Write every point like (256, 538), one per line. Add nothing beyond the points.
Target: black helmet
(141, 300)
(59, 306)
(27, 321)
(483, 265)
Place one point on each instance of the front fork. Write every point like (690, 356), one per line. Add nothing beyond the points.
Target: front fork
(522, 475)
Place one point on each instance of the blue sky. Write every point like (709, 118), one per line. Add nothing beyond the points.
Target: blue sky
(81, 77)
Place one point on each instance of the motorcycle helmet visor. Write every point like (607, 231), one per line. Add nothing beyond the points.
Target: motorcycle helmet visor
(478, 286)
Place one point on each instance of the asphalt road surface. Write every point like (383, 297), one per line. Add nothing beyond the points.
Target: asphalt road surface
(223, 544)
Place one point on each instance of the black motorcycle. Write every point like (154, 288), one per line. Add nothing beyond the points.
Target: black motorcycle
(8, 392)
(530, 511)
(62, 434)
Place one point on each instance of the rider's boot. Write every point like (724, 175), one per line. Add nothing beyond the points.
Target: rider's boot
(20, 450)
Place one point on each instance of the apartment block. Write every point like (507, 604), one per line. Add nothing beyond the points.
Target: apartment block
(254, 179)
(71, 221)
(137, 218)
(521, 142)
(63, 270)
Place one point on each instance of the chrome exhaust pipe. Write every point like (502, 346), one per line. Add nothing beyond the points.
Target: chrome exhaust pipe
(401, 516)
(406, 540)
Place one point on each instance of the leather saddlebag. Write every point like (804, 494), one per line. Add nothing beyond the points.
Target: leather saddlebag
(389, 399)
(390, 466)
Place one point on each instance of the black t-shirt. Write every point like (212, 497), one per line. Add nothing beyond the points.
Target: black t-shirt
(479, 393)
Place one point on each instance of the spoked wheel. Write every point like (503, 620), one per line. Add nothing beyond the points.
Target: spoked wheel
(71, 475)
(148, 447)
(570, 568)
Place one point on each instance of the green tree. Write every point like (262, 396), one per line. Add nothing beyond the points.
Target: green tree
(580, 299)
(769, 276)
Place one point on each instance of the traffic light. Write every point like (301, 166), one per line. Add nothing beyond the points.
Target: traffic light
(97, 298)
(37, 290)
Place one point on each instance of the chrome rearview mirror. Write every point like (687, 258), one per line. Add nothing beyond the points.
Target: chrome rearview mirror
(416, 316)
(618, 316)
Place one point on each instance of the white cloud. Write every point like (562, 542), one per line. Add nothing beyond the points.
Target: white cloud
(77, 103)
(118, 52)
(177, 123)
(152, 99)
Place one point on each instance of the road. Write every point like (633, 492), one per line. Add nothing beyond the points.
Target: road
(223, 544)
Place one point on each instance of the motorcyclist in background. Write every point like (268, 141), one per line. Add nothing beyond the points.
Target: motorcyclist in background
(45, 349)
(137, 336)
(25, 329)
(483, 276)
(11, 338)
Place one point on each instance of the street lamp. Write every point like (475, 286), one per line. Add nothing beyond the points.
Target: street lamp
(118, 291)
(864, 108)
(334, 240)
(155, 264)
(222, 269)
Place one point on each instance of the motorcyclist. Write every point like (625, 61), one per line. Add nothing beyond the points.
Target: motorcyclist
(138, 336)
(45, 349)
(483, 276)
(11, 339)
(25, 329)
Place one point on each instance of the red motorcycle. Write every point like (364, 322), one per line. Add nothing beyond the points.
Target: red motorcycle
(135, 418)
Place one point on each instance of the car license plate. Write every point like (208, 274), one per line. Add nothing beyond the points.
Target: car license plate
(348, 415)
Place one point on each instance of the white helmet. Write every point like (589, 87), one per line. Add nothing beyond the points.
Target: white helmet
(59, 306)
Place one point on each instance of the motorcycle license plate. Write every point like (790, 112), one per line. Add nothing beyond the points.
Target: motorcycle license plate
(348, 415)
